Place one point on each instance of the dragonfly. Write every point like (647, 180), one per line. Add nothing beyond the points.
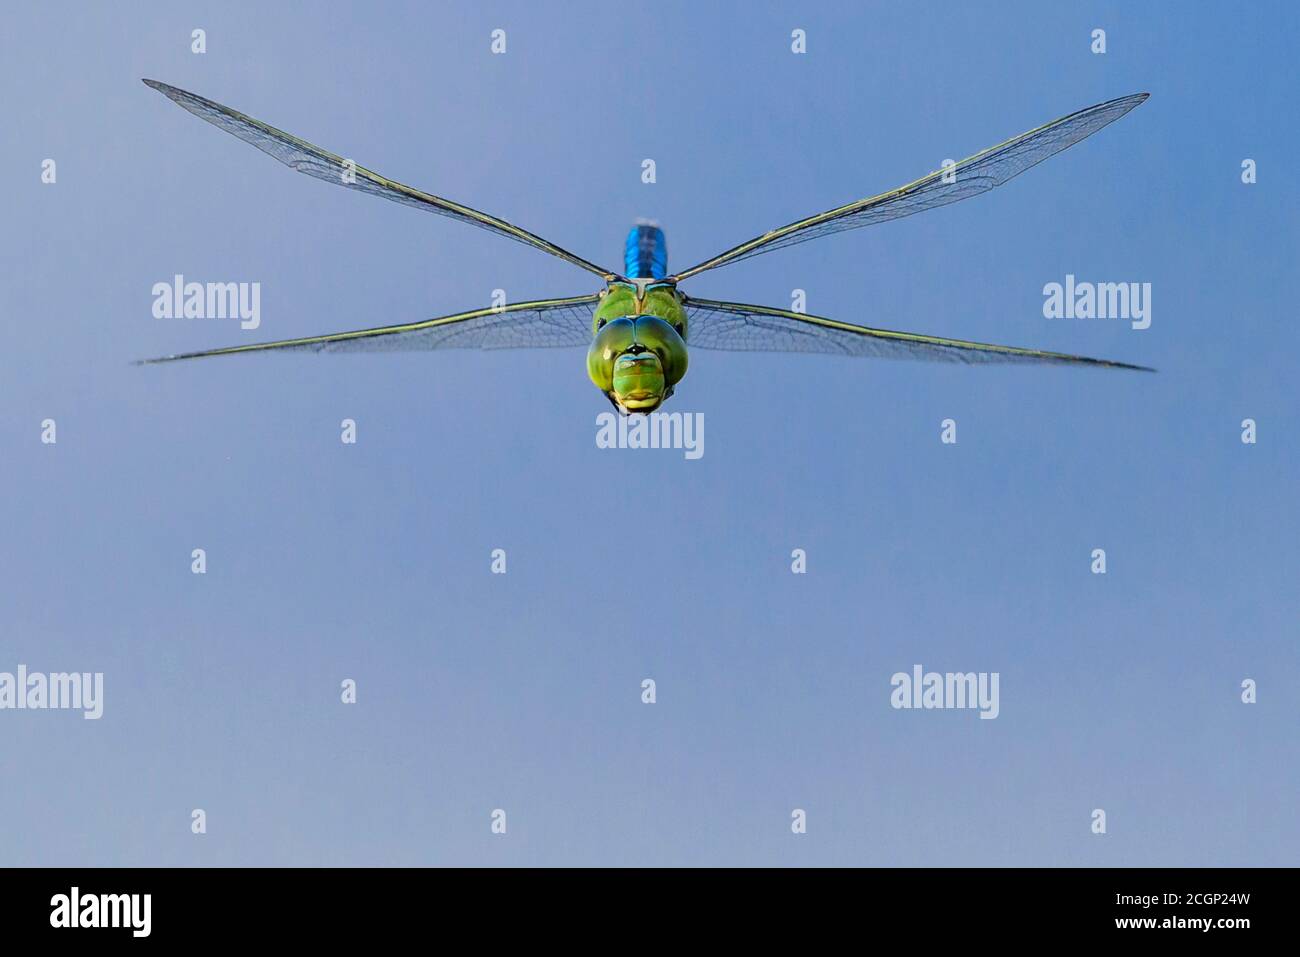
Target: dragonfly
(638, 327)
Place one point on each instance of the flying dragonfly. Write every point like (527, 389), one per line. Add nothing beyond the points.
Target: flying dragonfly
(638, 326)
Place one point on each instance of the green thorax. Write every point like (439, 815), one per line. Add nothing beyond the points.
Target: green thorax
(621, 299)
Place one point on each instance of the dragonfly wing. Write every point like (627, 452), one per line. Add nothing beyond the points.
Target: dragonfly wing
(738, 327)
(323, 165)
(544, 323)
(974, 175)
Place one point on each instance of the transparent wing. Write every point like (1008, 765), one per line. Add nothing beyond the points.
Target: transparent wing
(542, 324)
(976, 174)
(323, 165)
(738, 327)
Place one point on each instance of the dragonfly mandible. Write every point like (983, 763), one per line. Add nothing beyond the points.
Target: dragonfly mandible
(638, 327)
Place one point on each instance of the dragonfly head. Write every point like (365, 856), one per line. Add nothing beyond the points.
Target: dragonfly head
(636, 361)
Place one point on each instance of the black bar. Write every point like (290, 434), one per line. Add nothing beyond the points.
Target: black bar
(333, 906)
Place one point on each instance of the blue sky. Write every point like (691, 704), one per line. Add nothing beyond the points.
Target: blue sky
(523, 691)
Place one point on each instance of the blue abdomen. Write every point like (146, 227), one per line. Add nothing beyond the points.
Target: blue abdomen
(646, 253)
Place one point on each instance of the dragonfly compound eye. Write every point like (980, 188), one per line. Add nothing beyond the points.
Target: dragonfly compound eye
(612, 339)
(660, 338)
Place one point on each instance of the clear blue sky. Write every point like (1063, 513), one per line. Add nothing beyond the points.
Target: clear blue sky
(522, 691)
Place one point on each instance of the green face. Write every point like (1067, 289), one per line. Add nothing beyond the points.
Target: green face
(639, 381)
(636, 360)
